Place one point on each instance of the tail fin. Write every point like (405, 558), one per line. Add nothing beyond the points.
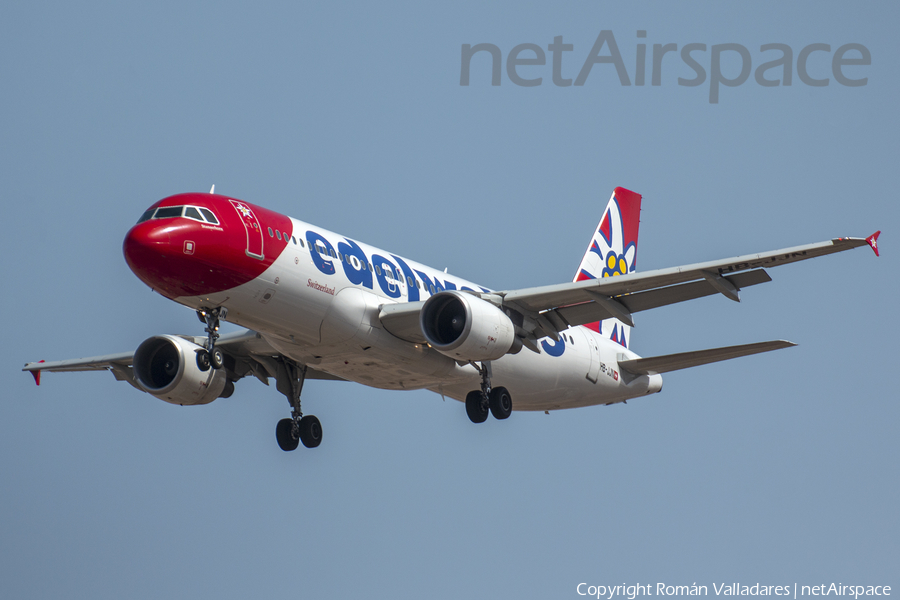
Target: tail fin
(613, 251)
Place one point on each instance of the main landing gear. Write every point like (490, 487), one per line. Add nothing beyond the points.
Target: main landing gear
(211, 356)
(495, 400)
(306, 429)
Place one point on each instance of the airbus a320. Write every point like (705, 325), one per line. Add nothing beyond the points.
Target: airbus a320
(319, 305)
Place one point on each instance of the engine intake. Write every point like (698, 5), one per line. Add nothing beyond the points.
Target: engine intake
(464, 327)
(166, 367)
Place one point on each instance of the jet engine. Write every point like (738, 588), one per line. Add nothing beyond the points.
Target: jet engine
(166, 367)
(465, 327)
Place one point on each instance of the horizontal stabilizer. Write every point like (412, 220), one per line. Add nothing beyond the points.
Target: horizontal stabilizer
(684, 360)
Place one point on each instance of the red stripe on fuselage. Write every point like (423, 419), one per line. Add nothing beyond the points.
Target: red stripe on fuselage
(184, 257)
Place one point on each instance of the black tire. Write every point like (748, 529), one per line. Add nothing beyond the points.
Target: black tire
(476, 407)
(284, 435)
(501, 403)
(310, 431)
(216, 359)
(203, 360)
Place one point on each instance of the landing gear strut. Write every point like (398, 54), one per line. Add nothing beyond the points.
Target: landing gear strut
(211, 356)
(494, 400)
(306, 429)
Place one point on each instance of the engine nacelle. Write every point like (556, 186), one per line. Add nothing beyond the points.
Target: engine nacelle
(166, 367)
(465, 327)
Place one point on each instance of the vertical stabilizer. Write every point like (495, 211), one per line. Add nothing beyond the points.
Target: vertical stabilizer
(612, 251)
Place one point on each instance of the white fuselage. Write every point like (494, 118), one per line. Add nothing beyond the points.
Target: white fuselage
(326, 320)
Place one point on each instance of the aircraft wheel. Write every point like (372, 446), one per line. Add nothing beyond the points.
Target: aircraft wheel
(285, 436)
(203, 360)
(310, 431)
(216, 359)
(501, 403)
(476, 407)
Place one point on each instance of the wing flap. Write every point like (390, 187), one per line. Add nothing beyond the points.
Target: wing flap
(590, 312)
(690, 291)
(685, 360)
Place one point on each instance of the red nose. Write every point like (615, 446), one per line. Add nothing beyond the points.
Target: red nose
(179, 255)
(161, 262)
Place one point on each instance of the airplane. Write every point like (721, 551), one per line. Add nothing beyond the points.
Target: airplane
(318, 305)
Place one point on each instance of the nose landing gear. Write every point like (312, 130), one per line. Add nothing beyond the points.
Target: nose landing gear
(211, 356)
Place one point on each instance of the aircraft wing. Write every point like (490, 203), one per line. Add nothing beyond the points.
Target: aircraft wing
(553, 308)
(550, 309)
(251, 352)
(94, 363)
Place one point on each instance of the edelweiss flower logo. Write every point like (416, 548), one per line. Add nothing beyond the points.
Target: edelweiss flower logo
(613, 252)
(613, 255)
(615, 265)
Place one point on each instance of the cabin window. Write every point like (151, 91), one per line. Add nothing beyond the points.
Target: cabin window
(332, 253)
(271, 233)
(278, 235)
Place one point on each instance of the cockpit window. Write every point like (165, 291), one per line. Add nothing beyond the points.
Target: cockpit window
(210, 217)
(197, 213)
(168, 212)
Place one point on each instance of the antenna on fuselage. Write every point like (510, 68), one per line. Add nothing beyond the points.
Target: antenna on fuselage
(212, 190)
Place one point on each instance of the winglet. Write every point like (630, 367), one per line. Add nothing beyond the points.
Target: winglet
(37, 375)
(873, 241)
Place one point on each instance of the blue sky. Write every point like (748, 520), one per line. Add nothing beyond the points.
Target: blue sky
(778, 468)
